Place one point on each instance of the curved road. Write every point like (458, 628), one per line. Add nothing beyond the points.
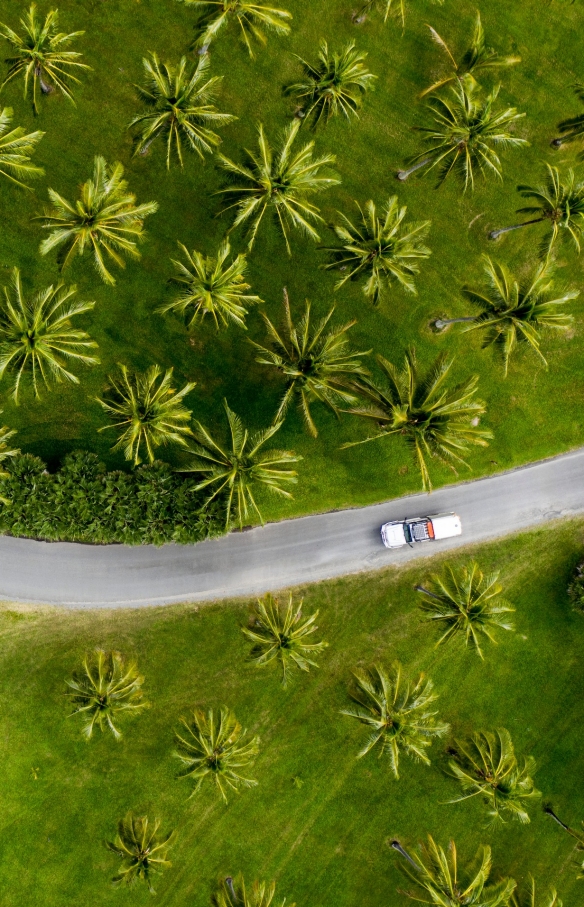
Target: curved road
(287, 553)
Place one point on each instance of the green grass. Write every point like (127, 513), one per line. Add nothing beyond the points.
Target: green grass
(324, 842)
(534, 413)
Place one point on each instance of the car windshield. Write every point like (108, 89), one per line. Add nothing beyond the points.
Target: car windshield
(407, 533)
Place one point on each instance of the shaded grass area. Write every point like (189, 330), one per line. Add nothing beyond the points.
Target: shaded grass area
(324, 840)
(534, 413)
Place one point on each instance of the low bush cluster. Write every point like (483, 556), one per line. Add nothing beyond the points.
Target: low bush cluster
(84, 502)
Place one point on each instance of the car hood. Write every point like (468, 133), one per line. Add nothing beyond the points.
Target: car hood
(393, 535)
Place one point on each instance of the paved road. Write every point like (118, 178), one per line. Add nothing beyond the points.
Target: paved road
(287, 553)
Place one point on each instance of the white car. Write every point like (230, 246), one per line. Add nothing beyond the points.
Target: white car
(421, 529)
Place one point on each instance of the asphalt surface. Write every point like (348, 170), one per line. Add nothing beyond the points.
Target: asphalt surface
(287, 553)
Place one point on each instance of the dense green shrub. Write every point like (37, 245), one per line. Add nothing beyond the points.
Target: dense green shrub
(576, 589)
(85, 503)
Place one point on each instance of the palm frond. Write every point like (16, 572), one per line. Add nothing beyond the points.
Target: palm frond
(317, 364)
(106, 688)
(467, 603)
(380, 248)
(397, 714)
(105, 221)
(280, 184)
(212, 749)
(146, 411)
(211, 285)
(281, 633)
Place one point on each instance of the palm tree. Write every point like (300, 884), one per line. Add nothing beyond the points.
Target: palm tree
(466, 602)
(572, 130)
(558, 203)
(280, 633)
(527, 898)
(105, 219)
(213, 748)
(41, 55)
(487, 766)
(147, 411)
(514, 312)
(16, 148)
(37, 337)
(280, 183)
(179, 108)
(261, 894)
(476, 58)
(465, 135)
(236, 469)
(317, 364)
(577, 835)
(142, 850)
(336, 84)
(438, 879)
(435, 421)
(210, 285)
(382, 249)
(396, 714)
(107, 688)
(252, 19)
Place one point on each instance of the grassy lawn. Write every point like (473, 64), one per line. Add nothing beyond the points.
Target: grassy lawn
(324, 842)
(534, 413)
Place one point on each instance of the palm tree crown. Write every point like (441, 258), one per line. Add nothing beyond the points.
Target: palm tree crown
(147, 411)
(104, 690)
(317, 364)
(486, 766)
(37, 337)
(476, 58)
(435, 421)
(179, 108)
(382, 249)
(143, 851)
(396, 713)
(210, 285)
(237, 468)
(212, 747)
(280, 633)
(41, 55)
(559, 204)
(252, 18)
(465, 134)
(105, 219)
(439, 879)
(261, 894)
(467, 603)
(16, 148)
(280, 183)
(336, 84)
(514, 312)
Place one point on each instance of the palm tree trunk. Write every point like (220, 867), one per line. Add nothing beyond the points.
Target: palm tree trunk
(229, 883)
(495, 234)
(549, 812)
(431, 594)
(46, 89)
(440, 324)
(397, 846)
(403, 174)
